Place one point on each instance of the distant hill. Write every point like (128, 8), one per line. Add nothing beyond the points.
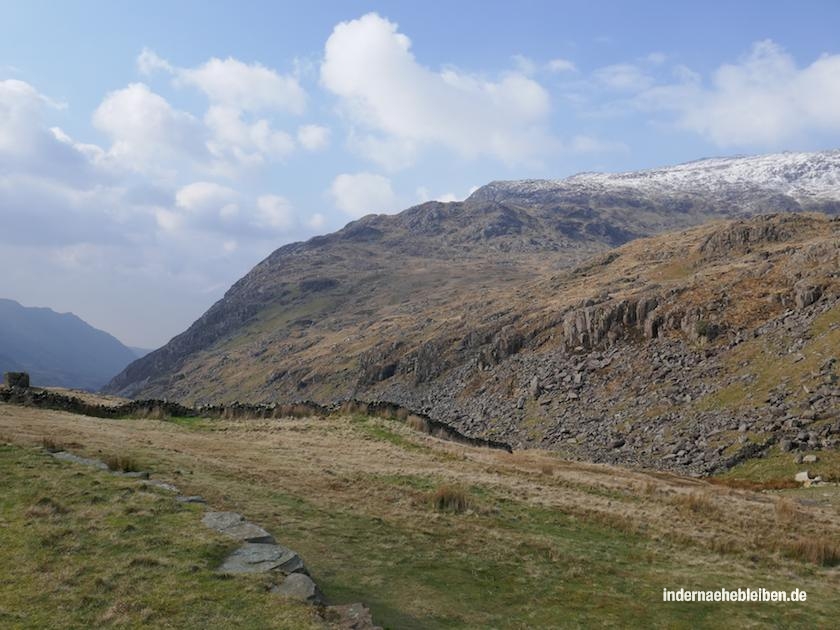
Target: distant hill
(58, 349)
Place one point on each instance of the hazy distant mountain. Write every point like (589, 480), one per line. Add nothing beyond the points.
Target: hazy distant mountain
(58, 349)
(140, 352)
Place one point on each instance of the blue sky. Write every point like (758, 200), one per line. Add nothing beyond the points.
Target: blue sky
(151, 153)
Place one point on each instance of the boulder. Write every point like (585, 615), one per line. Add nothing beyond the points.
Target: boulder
(300, 587)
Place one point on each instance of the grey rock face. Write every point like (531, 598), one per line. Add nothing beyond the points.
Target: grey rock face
(262, 558)
(300, 587)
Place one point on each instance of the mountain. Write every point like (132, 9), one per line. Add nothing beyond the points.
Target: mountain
(58, 349)
(460, 309)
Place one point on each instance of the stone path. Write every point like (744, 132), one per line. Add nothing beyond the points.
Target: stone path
(259, 553)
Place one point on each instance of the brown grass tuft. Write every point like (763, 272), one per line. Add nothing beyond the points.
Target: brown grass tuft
(122, 463)
(50, 445)
(817, 550)
(785, 510)
(417, 423)
(45, 507)
(450, 499)
(696, 502)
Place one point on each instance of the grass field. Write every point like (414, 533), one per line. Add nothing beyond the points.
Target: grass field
(520, 541)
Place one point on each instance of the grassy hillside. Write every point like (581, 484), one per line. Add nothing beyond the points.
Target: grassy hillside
(428, 534)
(84, 549)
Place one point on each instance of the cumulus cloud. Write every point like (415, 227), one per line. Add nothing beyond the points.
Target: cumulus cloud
(762, 100)
(363, 193)
(275, 212)
(246, 87)
(313, 137)
(146, 130)
(369, 65)
(240, 125)
(148, 62)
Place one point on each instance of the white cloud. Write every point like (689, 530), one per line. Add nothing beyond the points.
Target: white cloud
(561, 65)
(201, 197)
(363, 193)
(313, 137)
(763, 100)
(246, 87)
(624, 77)
(234, 141)
(146, 130)
(239, 128)
(148, 62)
(275, 212)
(317, 221)
(369, 65)
(524, 64)
(424, 195)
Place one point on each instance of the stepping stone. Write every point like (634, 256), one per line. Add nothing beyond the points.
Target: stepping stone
(234, 525)
(190, 499)
(69, 457)
(262, 558)
(300, 587)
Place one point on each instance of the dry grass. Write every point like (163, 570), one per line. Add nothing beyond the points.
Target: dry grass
(45, 507)
(786, 510)
(50, 445)
(417, 423)
(449, 498)
(122, 463)
(696, 502)
(817, 550)
(345, 489)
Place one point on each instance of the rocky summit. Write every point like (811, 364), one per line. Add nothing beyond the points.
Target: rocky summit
(682, 317)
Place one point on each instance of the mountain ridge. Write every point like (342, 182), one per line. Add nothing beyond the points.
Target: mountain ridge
(427, 307)
(58, 349)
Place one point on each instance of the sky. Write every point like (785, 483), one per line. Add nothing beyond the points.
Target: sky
(152, 153)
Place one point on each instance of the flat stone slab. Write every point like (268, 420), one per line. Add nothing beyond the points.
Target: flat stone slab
(234, 525)
(300, 587)
(190, 499)
(69, 457)
(262, 558)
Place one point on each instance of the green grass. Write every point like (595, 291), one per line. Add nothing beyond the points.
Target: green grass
(84, 549)
(510, 564)
(779, 466)
(504, 563)
(375, 428)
